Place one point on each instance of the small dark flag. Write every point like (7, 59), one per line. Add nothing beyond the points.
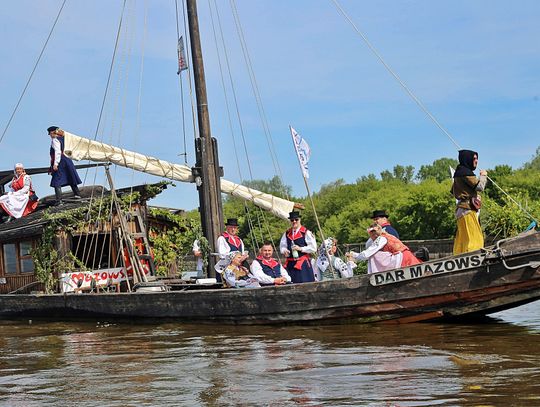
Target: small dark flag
(182, 61)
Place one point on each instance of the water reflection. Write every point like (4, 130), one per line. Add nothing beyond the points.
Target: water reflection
(51, 363)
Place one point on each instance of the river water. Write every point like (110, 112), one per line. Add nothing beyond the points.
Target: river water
(494, 363)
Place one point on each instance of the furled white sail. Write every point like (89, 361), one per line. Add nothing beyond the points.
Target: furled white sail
(80, 148)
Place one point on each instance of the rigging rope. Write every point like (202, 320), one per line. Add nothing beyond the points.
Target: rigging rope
(416, 100)
(185, 154)
(256, 93)
(33, 71)
(229, 117)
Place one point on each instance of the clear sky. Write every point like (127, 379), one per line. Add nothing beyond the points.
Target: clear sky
(474, 64)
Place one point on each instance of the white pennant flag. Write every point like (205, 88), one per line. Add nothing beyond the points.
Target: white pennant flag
(182, 61)
(303, 152)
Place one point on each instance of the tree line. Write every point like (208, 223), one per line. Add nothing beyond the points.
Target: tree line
(419, 203)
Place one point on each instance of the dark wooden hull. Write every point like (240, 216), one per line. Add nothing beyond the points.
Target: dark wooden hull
(507, 277)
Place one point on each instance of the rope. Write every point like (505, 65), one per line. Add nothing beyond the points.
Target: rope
(415, 98)
(33, 71)
(256, 93)
(181, 90)
(229, 116)
(190, 79)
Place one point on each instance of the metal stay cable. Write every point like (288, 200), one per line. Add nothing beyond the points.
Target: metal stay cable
(254, 241)
(416, 100)
(33, 71)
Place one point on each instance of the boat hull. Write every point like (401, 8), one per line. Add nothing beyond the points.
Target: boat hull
(508, 276)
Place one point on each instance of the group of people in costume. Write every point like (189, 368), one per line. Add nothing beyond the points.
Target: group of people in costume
(384, 250)
(21, 198)
(298, 246)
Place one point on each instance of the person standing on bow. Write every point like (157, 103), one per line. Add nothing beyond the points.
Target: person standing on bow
(21, 199)
(62, 169)
(469, 236)
(297, 245)
(268, 270)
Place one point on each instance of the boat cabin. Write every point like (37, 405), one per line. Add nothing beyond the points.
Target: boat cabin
(93, 245)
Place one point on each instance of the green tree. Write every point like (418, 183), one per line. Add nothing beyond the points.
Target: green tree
(400, 172)
(439, 170)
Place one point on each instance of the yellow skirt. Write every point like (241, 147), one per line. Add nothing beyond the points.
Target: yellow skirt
(469, 235)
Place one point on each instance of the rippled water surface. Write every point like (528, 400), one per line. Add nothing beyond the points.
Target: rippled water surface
(496, 363)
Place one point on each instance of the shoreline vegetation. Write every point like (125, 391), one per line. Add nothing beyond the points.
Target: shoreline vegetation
(419, 203)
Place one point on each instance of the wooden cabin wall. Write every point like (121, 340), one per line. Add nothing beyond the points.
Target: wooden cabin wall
(16, 266)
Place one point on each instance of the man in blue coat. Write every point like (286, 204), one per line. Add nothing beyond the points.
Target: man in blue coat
(62, 169)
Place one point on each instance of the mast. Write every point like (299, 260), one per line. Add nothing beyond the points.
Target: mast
(207, 170)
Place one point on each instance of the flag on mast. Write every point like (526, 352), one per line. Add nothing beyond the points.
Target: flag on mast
(182, 61)
(303, 152)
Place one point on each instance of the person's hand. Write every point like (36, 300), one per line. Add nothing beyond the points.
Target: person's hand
(297, 248)
(286, 253)
(280, 280)
(483, 172)
(55, 167)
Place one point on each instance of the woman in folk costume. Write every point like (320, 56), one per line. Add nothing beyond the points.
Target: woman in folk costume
(386, 253)
(321, 266)
(235, 275)
(465, 189)
(297, 245)
(21, 199)
(62, 169)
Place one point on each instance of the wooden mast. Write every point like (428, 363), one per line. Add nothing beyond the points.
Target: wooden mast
(207, 170)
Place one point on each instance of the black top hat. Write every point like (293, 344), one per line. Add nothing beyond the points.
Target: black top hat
(294, 215)
(379, 214)
(231, 222)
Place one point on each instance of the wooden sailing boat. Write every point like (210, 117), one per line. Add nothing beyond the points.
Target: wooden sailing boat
(477, 283)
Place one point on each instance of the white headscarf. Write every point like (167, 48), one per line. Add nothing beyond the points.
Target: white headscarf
(324, 248)
(223, 263)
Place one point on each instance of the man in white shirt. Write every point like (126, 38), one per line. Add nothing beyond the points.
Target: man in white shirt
(268, 270)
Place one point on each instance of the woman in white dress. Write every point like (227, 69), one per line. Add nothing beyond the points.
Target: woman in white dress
(21, 198)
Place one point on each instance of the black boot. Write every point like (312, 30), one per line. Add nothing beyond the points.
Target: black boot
(76, 192)
(58, 195)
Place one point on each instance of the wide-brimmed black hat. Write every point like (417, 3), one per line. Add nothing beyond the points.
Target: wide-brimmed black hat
(231, 222)
(294, 215)
(379, 214)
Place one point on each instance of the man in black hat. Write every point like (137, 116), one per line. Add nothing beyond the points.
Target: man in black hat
(229, 241)
(62, 170)
(382, 219)
(297, 245)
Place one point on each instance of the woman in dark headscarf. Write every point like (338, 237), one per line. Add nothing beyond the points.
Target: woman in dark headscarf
(465, 189)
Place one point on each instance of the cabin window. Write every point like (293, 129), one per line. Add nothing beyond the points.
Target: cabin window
(17, 258)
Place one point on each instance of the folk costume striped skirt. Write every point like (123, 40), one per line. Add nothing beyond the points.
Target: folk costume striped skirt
(469, 235)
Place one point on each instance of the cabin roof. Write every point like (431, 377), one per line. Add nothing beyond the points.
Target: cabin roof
(32, 224)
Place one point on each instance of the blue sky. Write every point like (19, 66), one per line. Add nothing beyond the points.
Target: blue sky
(474, 64)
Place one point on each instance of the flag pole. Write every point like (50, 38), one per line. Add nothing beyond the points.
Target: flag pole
(312, 203)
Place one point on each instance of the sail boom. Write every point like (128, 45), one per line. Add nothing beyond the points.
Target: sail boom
(80, 148)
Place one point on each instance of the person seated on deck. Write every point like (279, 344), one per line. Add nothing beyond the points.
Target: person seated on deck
(21, 200)
(338, 268)
(268, 270)
(235, 275)
(386, 253)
